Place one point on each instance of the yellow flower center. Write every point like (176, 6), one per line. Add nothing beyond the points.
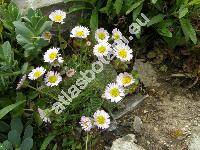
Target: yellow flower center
(37, 74)
(102, 35)
(116, 36)
(58, 18)
(79, 33)
(101, 49)
(101, 120)
(53, 79)
(122, 53)
(126, 80)
(114, 92)
(53, 55)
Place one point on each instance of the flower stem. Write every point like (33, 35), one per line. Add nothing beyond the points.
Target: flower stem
(86, 142)
(60, 37)
(42, 92)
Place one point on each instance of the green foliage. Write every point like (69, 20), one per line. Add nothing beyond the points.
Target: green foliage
(15, 138)
(166, 18)
(29, 32)
(9, 108)
(8, 66)
(8, 14)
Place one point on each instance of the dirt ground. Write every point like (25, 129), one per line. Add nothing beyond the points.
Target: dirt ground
(170, 115)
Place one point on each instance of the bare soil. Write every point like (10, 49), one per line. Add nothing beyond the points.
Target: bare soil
(170, 115)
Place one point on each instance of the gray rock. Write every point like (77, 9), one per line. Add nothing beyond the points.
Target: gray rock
(24, 5)
(126, 143)
(137, 124)
(147, 73)
(194, 143)
(47, 6)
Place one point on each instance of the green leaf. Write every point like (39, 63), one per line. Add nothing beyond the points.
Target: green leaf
(188, 30)
(9, 108)
(86, 1)
(22, 29)
(16, 124)
(94, 20)
(27, 144)
(183, 11)
(47, 140)
(134, 6)
(77, 8)
(28, 132)
(45, 27)
(7, 145)
(24, 68)
(55, 147)
(136, 12)
(107, 8)
(154, 1)
(156, 19)
(7, 55)
(14, 138)
(118, 5)
(4, 127)
(194, 2)
(164, 32)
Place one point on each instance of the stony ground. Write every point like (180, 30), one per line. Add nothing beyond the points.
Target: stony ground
(170, 115)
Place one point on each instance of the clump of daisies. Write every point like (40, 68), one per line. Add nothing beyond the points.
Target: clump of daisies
(115, 92)
(120, 49)
(101, 119)
(58, 16)
(52, 78)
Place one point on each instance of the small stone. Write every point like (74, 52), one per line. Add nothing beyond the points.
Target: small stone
(194, 143)
(126, 143)
(137, 124)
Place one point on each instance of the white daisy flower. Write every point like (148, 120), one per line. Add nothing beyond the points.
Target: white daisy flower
(58, 16)
(102, 49)
(51, 55)
(80, 32)
(36, 73)
(123, 52)
(86, 123)
(44, 115)
(21, 82)
(101, 35)
(125, 79)
(114, 92)
(53, 78)
(101, 119)
(116, 34)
